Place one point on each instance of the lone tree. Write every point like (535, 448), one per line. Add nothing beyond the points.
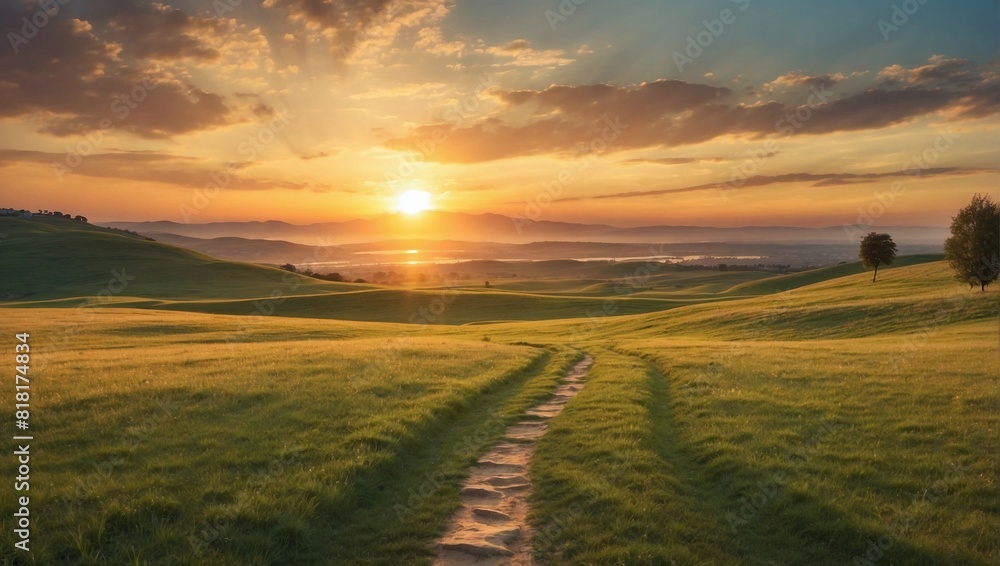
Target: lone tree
(973, 250)
(877, 249)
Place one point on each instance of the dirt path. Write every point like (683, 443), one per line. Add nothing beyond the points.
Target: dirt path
(491, 527)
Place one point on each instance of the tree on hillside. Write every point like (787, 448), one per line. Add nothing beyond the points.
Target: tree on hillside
(289, 267)
(973, 250)
(877, 249)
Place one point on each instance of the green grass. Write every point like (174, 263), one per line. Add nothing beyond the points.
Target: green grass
(802, 452)
(59, 263)
(812, 418)
(54, 258)
(632, 278)
(906, 300)
(284, 450)
(773, 285)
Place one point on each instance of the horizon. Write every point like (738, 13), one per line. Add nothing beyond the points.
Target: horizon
(451, 282)
(421, 216)
(578, 113)
(405, 215)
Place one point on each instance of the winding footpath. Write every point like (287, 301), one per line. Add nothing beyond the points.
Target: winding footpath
(491, 527)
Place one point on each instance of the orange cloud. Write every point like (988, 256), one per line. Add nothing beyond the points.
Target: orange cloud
(671, 113)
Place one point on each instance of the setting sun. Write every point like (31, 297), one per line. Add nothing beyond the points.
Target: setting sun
(414, 201)
(735, 223)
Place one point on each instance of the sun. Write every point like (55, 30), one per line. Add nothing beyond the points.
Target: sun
(414, 201)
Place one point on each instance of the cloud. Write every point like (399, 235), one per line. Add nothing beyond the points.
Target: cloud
(563, 119)
(320, 155)
(68, 82)
(938, 70)
(404, 90)
(155, 34)
(356, 29)
(431, 40)
(797, 80)
(254, 105)
(521, 54)
(817, 180)
(672, 160)
(149, 167)
(671, 113)
(346, 17)
(158, 32)
(10, 157)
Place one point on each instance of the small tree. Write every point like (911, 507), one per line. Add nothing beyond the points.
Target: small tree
(877, 249)
(289, 267)
(973, 250)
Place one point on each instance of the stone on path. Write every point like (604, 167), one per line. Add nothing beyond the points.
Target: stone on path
(491, 527)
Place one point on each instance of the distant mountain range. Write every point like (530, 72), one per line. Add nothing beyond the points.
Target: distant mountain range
(447, 251)
(438, 225)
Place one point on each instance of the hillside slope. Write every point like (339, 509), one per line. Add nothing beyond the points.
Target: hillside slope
(55, 262)
(54, 258)
(913, 301)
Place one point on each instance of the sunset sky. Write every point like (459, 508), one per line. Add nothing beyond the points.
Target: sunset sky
(724, 113)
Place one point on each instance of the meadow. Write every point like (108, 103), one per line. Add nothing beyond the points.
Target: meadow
(729, 417)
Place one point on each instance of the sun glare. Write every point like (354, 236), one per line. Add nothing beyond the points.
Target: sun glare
(414, 201)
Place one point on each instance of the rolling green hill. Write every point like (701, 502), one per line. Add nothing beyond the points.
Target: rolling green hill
(54, 262)
(45, 258)
(813, 418)
(795, 280)
(914, 299)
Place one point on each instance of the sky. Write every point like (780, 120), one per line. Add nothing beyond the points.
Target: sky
(712, 113)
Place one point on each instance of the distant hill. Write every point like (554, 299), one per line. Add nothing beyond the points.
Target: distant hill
(56, 262)
(444, 252)
(438, 225)
(251, 250)
(47, 258)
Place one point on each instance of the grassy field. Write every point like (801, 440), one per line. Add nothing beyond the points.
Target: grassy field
(284, 450)
(59, 263)
(812, 418)
(56, 258)
(800, 452)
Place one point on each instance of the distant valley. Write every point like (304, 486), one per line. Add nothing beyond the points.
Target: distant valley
(361, 246)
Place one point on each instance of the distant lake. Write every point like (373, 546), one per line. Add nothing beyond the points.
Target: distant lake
(399, 257)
